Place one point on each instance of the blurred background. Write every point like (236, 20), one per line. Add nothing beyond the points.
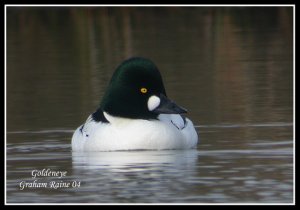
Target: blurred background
(225, 65)
(231, 67)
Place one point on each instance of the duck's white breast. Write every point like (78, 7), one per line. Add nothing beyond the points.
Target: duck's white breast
(169, 132)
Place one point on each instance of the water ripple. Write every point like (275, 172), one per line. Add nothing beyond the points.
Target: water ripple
(271, 124)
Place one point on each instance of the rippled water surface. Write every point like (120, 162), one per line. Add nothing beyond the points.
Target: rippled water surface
(232, 68)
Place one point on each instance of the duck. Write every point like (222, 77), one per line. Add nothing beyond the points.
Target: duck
(136, 114)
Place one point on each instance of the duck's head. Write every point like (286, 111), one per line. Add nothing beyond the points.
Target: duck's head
(136, 91)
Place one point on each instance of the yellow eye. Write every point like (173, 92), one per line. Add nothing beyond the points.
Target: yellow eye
(143, 90)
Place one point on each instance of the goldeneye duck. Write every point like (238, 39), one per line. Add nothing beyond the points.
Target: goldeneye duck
(136, 114)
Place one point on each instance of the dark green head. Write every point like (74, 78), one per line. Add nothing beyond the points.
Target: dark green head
(136, 91)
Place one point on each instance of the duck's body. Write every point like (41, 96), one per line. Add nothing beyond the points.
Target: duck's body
(135, 114)
(168, 132)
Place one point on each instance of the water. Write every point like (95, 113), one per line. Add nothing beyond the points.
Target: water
(232, 69)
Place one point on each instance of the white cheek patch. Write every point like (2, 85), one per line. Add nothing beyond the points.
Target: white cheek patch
(153, 103)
